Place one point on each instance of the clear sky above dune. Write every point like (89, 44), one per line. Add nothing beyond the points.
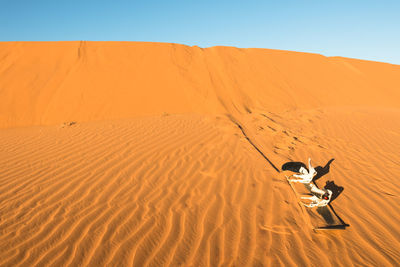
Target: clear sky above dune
(358, 29)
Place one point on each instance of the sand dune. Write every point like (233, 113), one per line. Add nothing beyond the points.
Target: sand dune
(146, 154)
(44, 83)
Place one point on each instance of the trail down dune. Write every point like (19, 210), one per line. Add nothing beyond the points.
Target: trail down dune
(149, 154)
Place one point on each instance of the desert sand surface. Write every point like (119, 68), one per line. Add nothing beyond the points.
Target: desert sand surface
(154, 154)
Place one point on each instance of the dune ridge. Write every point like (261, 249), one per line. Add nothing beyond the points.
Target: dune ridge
(44, 83)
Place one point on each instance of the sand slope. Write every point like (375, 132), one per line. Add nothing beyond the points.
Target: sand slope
(190, 190)
(163, 191)
(54, 82)
(178, 168)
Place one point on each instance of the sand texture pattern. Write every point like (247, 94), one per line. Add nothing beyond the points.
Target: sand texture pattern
(149, 154)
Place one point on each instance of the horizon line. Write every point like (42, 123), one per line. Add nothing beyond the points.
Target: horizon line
(188, 45)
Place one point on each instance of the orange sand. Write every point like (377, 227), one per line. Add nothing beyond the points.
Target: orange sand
(125, 153)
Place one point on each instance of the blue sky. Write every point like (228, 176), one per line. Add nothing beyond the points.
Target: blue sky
(359, 29)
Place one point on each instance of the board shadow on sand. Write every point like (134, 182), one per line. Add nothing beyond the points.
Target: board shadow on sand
(321, 171)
